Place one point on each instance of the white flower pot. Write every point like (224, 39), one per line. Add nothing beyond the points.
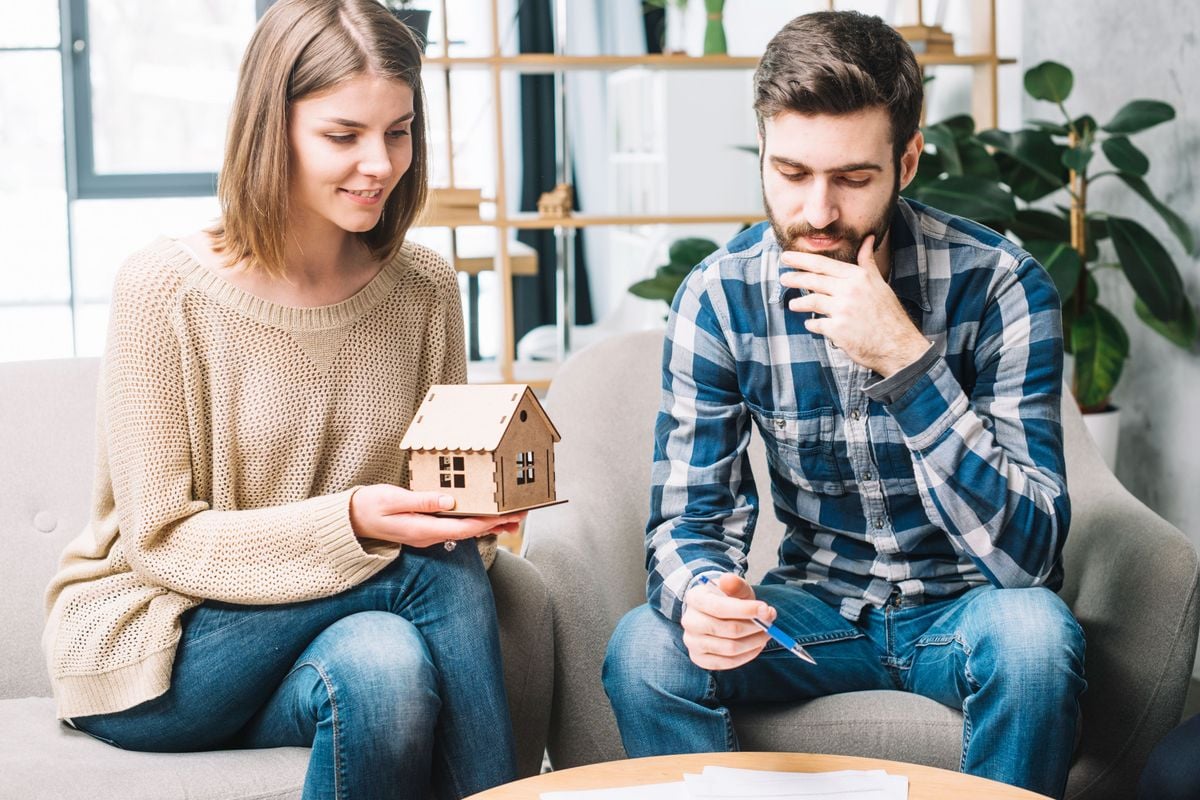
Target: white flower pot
(1105, 427)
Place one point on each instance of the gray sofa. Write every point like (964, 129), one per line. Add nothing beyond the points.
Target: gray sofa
(46, 447)
(1131, 581)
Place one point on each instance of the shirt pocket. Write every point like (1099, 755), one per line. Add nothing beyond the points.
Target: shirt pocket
(897, 456)
(800, 447)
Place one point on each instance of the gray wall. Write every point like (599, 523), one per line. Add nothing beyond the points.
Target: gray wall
(1120, 51)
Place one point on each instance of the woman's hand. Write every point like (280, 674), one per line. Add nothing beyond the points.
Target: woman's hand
(387, 512)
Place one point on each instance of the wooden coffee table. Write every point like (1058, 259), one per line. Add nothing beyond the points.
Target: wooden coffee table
(924, 783)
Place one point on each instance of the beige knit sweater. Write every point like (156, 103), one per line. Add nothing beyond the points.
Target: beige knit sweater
(231, 433)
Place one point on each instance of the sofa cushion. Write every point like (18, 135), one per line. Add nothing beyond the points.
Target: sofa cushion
(899, 726)
(47, 442)
(42, 759)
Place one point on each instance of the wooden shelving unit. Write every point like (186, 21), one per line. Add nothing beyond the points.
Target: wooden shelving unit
(982, 59)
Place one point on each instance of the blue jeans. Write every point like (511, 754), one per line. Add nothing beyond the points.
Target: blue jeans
(396, 684)
(1010, 659)
(1173, 770)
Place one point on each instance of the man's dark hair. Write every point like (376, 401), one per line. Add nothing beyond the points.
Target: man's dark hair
(838, 62)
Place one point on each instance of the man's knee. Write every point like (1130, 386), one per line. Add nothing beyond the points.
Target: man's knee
(1028, 634)
(645, 654)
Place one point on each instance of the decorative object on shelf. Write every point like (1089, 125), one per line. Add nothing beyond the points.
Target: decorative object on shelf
(714, 28)
(929, 40)
(556, 203)
(452, 206)
(675, 37)
(1034, 164)
(415, 18)
(489, 447)
(683, 255)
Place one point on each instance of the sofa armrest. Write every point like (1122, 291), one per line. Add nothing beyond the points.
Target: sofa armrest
(583, 729)
(523, 610)
(1131, 579)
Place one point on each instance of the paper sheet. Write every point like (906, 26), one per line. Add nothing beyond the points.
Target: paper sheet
(726, 783)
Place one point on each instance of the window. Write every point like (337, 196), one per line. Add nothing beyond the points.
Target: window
(153, 86)
(453, 472)
(524, 468)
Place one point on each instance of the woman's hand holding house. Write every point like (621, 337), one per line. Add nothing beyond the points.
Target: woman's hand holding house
(393, 514)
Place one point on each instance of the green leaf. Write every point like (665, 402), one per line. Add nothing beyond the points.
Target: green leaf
(655, 289)
(1049, 81)
(1085, 126)
(929, 169)
(977, 161)
(1033, 223)
(1046, 126)
(1032, 149)
(942, 138)
(1182, 332)
(1097, 227)
(1121, 153)
(1061, 261)
(961, 125)
(1100, 345)
(1178, 227)
(691, 250)
(974, 198)
(1138, 115)
(1077, 157)
(1148, 267)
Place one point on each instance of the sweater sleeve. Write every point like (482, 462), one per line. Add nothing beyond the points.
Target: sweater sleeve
(170, 537)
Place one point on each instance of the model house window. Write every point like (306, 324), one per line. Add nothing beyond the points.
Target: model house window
(453, 471)
(524, 467)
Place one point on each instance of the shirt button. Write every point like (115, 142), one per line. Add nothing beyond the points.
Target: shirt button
(867, 476)
(779, 423)
(879, 522)
(854, 414)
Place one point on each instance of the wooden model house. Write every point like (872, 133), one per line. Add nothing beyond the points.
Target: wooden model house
(490, 447)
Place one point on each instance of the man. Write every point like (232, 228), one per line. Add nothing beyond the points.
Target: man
(904, 368)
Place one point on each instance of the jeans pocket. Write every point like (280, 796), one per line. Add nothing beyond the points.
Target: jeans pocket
(809, 639)
(799, 444)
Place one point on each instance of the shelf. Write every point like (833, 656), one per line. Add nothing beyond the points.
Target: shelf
(532, 221)
(548, 62)
(535, 373)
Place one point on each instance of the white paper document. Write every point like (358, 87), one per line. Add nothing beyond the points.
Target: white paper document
(726, 783)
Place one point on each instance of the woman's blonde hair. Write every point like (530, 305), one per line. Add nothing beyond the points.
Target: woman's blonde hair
(299, 48)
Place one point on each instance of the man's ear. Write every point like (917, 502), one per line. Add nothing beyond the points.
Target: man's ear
(910, 158)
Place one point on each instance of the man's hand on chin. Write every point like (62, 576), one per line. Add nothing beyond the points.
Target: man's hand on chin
(859, 312)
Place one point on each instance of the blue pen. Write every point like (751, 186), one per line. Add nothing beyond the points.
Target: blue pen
(775, 633)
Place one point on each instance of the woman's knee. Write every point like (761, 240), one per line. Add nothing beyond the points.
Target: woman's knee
(375, 658)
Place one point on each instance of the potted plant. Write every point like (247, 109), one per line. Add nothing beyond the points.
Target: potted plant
(681, 257)
(416, 19)
(1052, 163)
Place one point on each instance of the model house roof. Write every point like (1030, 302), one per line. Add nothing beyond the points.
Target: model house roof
(469, 417)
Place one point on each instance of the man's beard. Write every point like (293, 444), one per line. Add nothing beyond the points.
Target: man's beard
(851, 239)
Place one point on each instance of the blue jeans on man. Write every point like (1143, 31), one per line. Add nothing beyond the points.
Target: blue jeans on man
(396, 684)
(1010, 659)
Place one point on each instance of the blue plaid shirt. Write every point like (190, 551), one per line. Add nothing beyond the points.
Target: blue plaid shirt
(957, 482)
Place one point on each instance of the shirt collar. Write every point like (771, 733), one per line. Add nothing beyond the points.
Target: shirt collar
(909, 273)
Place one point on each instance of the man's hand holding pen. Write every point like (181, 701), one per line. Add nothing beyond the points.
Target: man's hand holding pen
(719, 628)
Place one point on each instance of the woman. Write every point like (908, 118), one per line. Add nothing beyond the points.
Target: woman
(252, 576)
